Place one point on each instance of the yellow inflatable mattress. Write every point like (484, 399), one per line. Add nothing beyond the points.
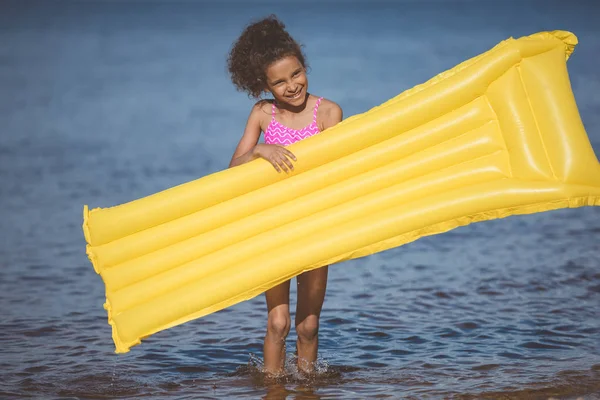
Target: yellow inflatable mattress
(497, 135)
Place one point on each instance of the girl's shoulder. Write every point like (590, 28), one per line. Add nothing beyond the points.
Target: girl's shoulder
(329, 112)
(328, 106)
(263, 106)
(262, 111)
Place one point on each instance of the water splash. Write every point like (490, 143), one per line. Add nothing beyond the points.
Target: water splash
(322, 372)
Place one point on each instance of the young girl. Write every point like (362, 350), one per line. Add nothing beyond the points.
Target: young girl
(265, 58)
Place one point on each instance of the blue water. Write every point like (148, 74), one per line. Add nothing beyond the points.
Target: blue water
(105, 102)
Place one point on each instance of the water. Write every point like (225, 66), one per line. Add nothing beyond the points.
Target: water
(106, 102)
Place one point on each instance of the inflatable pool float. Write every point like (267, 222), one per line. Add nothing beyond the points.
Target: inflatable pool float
(497, 135)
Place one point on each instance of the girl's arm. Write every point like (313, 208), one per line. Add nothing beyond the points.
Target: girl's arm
(245, 150)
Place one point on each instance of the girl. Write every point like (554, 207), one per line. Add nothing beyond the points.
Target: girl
(265, 58)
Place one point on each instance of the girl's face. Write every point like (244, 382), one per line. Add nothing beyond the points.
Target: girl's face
(287, 82)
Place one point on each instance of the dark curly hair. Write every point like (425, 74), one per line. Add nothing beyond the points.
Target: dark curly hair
(260, 44)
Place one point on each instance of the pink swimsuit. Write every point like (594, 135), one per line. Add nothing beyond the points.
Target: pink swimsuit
(277, 133)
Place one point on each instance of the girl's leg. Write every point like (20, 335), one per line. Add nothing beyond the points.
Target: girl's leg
(278, 327)
(311, 293)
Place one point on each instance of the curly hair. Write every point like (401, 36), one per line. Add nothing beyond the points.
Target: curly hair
(260, 44)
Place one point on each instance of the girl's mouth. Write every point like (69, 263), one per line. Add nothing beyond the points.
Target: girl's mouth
(295, 96)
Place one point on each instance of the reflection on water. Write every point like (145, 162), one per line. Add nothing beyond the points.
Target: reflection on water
(105, 102)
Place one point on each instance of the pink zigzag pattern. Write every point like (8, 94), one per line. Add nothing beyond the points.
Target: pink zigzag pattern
(280, 134)
(277, 133)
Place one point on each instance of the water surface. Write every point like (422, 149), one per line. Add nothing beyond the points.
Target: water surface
(105, 102)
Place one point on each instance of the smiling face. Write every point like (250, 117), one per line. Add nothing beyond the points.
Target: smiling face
(287, 82)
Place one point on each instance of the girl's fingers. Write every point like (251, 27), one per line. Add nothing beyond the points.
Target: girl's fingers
(282, 165)
(290, 154)
(285, 154)
(288, 163)
(279, 159)
(274, 163)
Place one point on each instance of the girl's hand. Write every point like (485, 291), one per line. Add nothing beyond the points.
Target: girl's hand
(276, 155)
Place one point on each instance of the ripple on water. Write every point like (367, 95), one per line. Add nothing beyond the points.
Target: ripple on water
(414, 339)
(42, 331)
(538, 345)
(467, 326)
(503, 309)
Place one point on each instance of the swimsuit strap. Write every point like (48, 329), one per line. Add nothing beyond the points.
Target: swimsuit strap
(315, 110)
(273, 111)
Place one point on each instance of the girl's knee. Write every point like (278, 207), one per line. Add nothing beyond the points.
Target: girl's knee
(278, 325)
(308, 329)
